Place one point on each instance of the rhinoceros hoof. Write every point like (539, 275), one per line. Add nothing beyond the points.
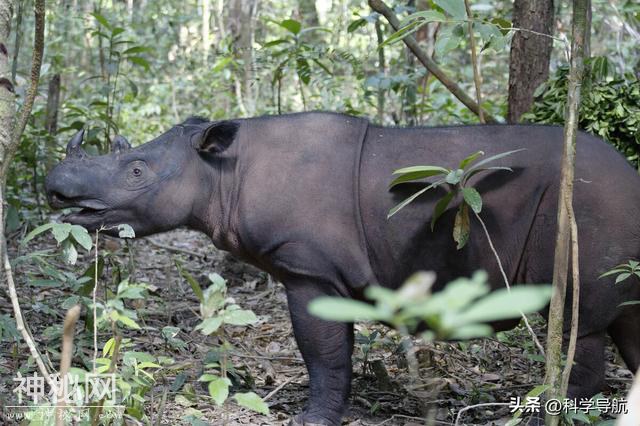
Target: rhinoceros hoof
(298, 420)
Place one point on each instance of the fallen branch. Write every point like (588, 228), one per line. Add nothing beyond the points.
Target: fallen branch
(65, 361)
(380, 7)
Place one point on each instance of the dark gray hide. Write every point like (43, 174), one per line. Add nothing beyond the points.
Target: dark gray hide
(305, 198)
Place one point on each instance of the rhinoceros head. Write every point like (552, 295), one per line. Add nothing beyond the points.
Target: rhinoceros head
(153, 188)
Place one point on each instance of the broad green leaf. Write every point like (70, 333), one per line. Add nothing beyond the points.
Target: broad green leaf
(136, 49)
(140, 62)
(252, 401)
(69, 253)
(128, 322)
(403, 32)
(208, 377)
(126, 231)
(353, 26)
(455, 8)
(219, 389)
(101, 20)
(504, 304)
(454, 176)
(630, 302)
(440, 208)
(291, 25)
(304, 70)
(623, 276)
(209, 325)
(37, 231)
(109, 347)
(470, 159)
(472, 198)
(470, 331)
(341, 309)
(61, 231)
(275, 43)
(239, 317)
(461, 226)
(411, 176)
(82, 237)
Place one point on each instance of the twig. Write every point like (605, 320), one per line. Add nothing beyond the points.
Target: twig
(94, 300)
(36, 62)
(65, 361)
(575, 302)
(506, 283)
(380, 7)
(280, 386)
(176, 249)
(470, 407)
(474, 62)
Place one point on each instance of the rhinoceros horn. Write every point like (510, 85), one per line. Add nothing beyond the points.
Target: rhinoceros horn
(120, 144)
(73, 147)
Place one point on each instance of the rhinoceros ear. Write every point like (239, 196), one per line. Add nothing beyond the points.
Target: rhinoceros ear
(215, 137)
(120, 144)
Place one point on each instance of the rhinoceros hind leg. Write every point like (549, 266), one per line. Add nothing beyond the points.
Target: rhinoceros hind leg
(625, 332)
(587, 374)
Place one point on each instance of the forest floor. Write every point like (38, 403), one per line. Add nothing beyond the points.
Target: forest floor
(264, 355)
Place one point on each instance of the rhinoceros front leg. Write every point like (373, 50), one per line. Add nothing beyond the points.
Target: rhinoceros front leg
(326, 349)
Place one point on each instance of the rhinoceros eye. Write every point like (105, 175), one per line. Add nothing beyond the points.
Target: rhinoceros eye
(136, 173)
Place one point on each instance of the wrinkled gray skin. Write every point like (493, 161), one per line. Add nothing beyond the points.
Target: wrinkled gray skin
(305, 197)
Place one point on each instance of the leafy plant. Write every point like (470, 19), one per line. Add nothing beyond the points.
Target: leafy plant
(624, 271)
(459, 311)
(294, 52)
(609, 107)
(67, 236)
(457, 182)
(218, 310)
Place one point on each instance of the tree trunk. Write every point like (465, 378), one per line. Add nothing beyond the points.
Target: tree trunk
(51, 118)
(241, 17)
(307, 13)
(530, 53)
(206, 18)
(566, 219)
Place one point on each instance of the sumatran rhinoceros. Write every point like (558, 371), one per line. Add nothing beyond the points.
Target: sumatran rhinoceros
(305, 198)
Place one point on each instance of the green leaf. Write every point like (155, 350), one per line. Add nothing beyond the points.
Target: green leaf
(455, 8)
(353, 26)
(209, 325)
(630, 302)
(497, 157)
(37, 231)
(219, 389)
(416, 175)
(275, 42)
(504, 304)
(139, 61)
(82, 237)
(623, 276)
(470, 159)
(136, 49)
(461, 226)
(440, 208)
(126, 231)
(470, 331)
(252, 401)
(61, 231)
(304, 70)
(69, 253)
(291, 25)
(408, 200)
(197, 290)
(472, 198)
(239, 317)
(454, 177)
(341, 309)
(128, 322)
(412, 169)
(101, 20)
